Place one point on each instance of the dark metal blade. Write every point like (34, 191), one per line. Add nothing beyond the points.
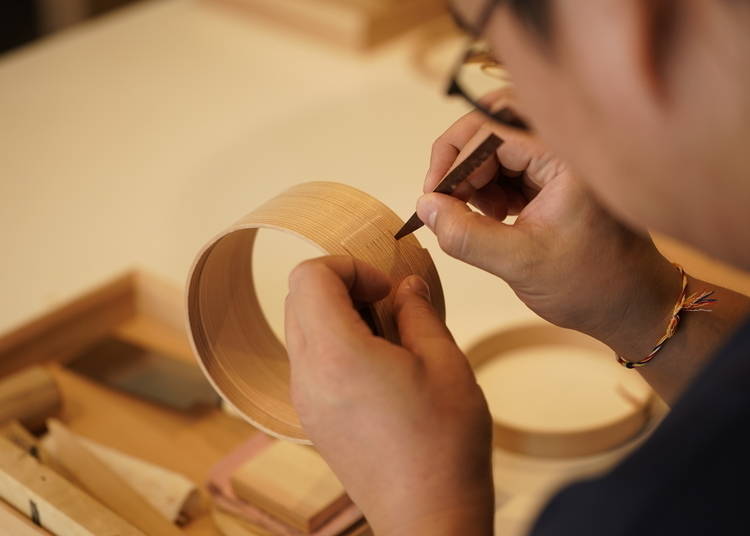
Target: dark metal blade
(409, 227)
(459, 174)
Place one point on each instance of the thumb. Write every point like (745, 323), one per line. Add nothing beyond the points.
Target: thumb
(474, 238)
(421, 329)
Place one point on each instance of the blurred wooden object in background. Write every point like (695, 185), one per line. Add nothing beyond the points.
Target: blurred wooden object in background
(14, 522)
(357, 24)
(171, 494)
(557, 393)
(50, 500)
(55, 15)
(29, 396)
(293, 484)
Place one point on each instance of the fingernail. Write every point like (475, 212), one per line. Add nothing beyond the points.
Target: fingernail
(418, 285)
(427, 211)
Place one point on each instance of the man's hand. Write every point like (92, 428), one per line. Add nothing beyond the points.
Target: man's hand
(565, 256)
(405, 428)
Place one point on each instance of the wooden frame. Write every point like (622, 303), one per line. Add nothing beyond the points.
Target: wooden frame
(143, 309)
(134, 305)
(566, 442)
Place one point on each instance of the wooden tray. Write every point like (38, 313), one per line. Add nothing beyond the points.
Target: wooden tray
(142, 309)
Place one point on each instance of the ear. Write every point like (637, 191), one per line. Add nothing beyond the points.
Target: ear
(656, 26)
(617, 48)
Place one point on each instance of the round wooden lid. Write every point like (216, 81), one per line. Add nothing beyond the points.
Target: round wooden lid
(558, 393)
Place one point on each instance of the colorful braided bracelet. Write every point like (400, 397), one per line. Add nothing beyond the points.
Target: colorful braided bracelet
(694, 302)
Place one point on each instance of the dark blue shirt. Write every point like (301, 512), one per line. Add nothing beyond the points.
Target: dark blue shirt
(691, 477)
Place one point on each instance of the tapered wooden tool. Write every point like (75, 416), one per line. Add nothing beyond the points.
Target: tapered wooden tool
(53, 502)
(105, 484)
(458, 175)
(171, 494)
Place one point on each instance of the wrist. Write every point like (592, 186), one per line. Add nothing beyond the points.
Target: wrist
(460, 508)
(457, 521)
(642, 316)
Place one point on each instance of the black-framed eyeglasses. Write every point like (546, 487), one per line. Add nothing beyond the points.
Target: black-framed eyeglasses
(477, 73)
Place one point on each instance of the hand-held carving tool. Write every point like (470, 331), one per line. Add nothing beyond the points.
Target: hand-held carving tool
(459, 174)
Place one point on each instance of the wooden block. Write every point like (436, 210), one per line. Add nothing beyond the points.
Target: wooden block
(230, 525)
(29, 396)
(52, 501)
(292, 483)
(359, 529)
(106, 485)
(14, 523)
(19, 436)
(174, 496)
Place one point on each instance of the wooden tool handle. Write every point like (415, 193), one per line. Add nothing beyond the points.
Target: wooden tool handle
(236, 347)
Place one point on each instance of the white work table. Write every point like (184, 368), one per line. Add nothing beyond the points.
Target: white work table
(132, 139)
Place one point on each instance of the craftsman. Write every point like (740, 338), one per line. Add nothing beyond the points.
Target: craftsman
(640, 113)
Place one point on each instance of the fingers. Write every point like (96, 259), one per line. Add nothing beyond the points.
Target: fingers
(514, 157)
(479, 240)
(465, 135)
(320, 301)
(421, 330)
(295, 339)
(485, 173)
(492, 200)
(448, 146)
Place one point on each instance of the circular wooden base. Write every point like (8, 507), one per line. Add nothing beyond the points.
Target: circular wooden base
(235, 345)
(554, 392)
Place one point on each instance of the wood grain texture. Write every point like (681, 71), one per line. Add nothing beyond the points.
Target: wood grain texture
(14, 523)
(29, 396)
(19, 436)
(175, 497)
(235, 345)
(58, 505)
(230, 525)
(558, 393)
(145, 430)
(98, 479)
(292, 483)
(187, 443)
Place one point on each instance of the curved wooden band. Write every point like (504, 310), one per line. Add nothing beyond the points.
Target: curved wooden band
(551, 443)
(235, 345)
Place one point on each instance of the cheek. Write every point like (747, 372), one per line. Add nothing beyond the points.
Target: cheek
(581, 138)
(572, 127)
(556, 114)
(545, 94)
